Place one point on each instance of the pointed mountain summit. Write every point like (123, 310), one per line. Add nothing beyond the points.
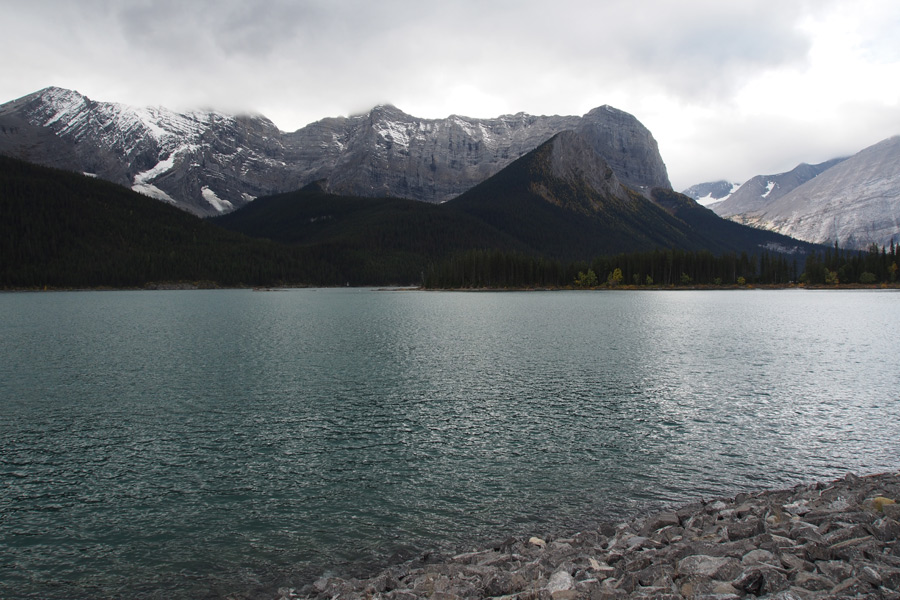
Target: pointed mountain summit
(561, 201)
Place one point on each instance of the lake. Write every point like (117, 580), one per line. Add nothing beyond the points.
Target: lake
(204, 443)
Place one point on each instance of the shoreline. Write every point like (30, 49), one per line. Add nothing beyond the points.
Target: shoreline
(195, 286)
(817, 541)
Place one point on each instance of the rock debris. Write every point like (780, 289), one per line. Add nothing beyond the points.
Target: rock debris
(812, 542)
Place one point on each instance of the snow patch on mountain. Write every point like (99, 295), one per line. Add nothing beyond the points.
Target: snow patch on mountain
(148, 189)
(162, 166)
(216, 202)
(66, 106)
(712, 192)
(395, 133)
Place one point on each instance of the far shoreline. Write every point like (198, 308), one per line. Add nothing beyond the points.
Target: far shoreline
(197, 286)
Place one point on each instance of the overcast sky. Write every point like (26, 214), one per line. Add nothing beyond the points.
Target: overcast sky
(729, 88)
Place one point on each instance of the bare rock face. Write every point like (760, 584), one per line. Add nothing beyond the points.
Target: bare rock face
(572, 158)
(210, 163)
(763, 190)
(387, 152)
(855, 203)
(627, 146)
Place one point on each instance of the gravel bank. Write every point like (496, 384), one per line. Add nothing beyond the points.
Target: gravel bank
(818, 541)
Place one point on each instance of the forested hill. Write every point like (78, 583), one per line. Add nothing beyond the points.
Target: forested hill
(62, 229)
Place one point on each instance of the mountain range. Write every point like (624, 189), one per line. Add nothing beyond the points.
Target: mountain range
(561, 201)
(542, 216)
(210, 163)
(853, 201)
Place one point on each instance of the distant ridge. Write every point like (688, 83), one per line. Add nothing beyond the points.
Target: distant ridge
(763, 190)
(855, 202)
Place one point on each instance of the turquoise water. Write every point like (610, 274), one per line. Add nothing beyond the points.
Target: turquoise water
(206, 443)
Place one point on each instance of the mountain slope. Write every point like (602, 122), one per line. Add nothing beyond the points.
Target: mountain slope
(855, 203)
(203, 162)
(565, 200)
(210, 163)
(712, 232)
(380, 227)
(763, 190)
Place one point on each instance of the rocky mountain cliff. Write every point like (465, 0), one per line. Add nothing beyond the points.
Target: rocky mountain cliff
(855, 202)
(211, 163)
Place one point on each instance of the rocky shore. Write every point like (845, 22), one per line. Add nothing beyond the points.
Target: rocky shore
(818, 541)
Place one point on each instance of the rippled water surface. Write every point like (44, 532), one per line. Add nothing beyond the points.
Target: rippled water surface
(204, 443)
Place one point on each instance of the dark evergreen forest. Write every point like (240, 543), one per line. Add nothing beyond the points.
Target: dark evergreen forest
(65, 230)
(666, 268)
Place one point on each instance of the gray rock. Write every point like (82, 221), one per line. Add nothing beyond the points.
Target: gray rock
(860, 563)
(756, 557)
(745, 529)
(816, 551)
(890, 577)
(658, 521)
(870, 575)
(497, 584)
(697, 586)
(851, 587)
(761, 579)
(655, 575)
(812, 582)
(887, 530)
(787, 595)
(722, 568)
(793, 562)
(560, 581)
(835, 569)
